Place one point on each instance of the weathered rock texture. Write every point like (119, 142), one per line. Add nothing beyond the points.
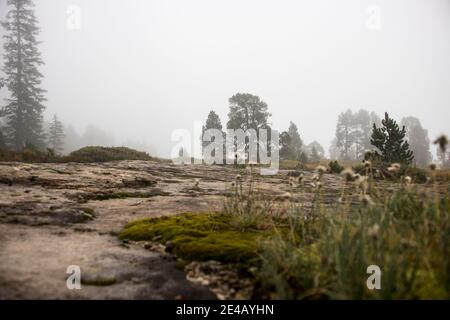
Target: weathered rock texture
(56, 215)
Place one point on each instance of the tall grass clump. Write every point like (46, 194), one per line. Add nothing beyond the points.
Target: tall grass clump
(246, 207)
(326, 255)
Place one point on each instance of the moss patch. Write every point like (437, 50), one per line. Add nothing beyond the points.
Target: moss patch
(104, 154)
(200, 237)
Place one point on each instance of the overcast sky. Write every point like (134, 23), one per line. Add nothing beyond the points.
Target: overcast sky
(142, 68)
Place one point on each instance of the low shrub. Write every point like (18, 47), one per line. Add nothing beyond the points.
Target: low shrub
(335, 167)
(105, 154)
(83, 155)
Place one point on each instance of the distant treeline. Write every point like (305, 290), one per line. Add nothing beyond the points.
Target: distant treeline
(356, 133)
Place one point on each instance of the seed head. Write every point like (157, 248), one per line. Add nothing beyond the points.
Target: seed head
(321, 169)
(432, 166)
(238, 177)
(407, 180)
(348, 174)
(395, 167)
(286, 196)
(196, 182)
(367, 164)
(373, 231)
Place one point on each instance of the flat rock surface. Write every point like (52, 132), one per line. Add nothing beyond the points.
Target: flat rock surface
(56, 215)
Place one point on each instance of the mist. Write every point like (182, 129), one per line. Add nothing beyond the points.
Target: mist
(140, 69)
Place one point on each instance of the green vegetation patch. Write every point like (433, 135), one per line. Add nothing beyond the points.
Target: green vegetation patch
(200, 237)
(124, 195)
(104, 154)
(31, 154)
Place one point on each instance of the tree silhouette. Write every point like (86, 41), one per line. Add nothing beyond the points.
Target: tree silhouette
(56, 135)
(390, 141)
(24, 109)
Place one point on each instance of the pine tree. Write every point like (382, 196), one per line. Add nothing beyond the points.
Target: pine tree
(296, 142)
(418, 140)
(56, 135)
(2, 141)
(285, 145)
(213, 122)
(304, 157)
(344, 134)
(362, 130)
(248, 111)
(316, 151)
(24, 109)
(389, 139)
(314, 155)
(291, 143)
(2, 114)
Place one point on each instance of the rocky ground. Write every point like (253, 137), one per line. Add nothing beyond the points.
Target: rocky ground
(56, 215)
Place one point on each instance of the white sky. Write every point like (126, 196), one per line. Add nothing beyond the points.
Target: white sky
(142, 68)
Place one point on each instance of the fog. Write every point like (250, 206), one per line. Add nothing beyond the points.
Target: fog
(140, 69)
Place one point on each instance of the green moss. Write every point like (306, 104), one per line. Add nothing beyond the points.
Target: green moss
(89, 212)
(104, 154)
(200, 236)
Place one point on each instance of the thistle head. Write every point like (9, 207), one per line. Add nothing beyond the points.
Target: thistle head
(361, 182)
(321, 169)
(407, 180)
(286, 196)
(395, 167)
(348, 174)
(373, 231)
(432, 166)
(291, 181)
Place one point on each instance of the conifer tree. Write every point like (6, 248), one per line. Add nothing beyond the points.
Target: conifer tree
(56, 135)
(314, 155)
(24, 109)
(390, 141)
(213, 122)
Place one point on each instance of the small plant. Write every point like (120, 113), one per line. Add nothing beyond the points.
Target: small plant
(335, 167)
